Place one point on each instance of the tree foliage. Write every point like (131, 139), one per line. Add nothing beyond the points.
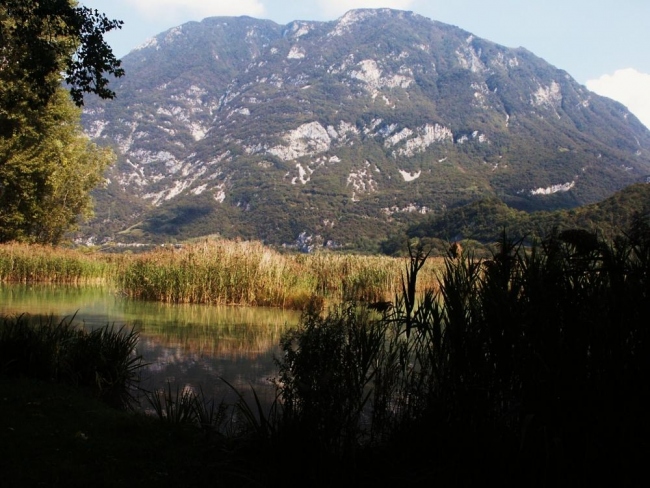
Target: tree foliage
(46, 176)
(40, 40)
(47, 165)
(485, 220)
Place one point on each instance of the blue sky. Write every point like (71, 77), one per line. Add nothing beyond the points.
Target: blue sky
(604, 44)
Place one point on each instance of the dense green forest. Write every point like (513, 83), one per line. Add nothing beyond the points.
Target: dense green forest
(484, 221)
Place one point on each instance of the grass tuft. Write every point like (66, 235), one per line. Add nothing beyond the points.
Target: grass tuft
(103, 361)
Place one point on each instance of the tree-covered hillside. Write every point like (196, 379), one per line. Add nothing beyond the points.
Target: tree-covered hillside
(343, 132)
(486, 220)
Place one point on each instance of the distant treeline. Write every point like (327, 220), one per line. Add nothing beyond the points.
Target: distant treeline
(484, 221)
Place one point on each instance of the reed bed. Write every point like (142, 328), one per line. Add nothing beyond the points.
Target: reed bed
(248, 273)
(218, 272)
(23, 263)
(528, 369)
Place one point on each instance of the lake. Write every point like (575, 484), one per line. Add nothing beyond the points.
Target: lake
(187, 345)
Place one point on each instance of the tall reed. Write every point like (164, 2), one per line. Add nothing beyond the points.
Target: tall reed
(226, 272)
(23, 263)
(220, 272)
(530, 367)
(217, 272)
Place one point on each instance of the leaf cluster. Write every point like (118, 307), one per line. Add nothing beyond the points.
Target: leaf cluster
(46, 175)
(40, 40)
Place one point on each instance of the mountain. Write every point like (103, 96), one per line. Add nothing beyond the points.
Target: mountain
(337, 133)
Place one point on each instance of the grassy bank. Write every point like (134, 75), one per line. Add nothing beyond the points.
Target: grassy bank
(529, 369)
(217, 272)
(22, 263)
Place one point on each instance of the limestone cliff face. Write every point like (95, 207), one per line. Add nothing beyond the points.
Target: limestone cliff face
(338, 129)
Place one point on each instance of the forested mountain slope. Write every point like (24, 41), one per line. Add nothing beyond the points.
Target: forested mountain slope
(338, 133)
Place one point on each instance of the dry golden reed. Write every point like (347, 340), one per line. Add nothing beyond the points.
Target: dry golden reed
(24, 263)
(217, 272)
(249, 273)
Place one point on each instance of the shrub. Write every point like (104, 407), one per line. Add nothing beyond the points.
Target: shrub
(530, 365)
(103, 361)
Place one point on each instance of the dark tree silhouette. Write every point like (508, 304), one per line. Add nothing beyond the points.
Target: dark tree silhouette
(43, 43)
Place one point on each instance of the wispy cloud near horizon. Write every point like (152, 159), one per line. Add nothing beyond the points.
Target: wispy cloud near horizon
(628, 86)
(337, 8)
(196, 9)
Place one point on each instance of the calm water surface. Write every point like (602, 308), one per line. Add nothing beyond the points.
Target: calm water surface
(188, 345)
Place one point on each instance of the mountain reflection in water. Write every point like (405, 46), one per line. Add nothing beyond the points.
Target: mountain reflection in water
(187, 345)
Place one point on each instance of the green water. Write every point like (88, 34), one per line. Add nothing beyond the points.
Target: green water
(188, 345)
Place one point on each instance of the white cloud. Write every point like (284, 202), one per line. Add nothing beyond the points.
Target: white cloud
(196, 9)
(629, 87)
(336, 8)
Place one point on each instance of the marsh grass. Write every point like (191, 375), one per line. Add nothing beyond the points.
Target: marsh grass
(248, 273)
(22, 263)
(325, 373)
(185, 406)
(243, 418)
(529, 367)
(103, 361)
(254, 420)
(216, 272)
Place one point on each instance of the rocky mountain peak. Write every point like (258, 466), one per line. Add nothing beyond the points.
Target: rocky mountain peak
(345, 130)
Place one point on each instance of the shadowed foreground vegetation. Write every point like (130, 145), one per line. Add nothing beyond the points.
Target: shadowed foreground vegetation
(530, 369)
(103, 362)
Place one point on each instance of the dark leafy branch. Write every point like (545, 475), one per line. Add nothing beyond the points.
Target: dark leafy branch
(94, 57)
(40, 40)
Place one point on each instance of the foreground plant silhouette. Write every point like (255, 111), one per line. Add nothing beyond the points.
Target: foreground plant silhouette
(530, 367)
(103, 361)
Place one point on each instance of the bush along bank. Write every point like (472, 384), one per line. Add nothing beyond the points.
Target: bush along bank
(104, 362)
(529, 368)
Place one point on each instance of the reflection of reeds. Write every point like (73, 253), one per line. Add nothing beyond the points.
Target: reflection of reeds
(232, 341)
